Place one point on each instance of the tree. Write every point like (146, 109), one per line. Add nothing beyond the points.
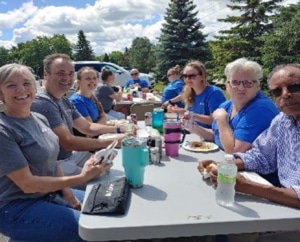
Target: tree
(141, 55)
(283, 44)
(181, 38)
(4, 53)
(33, 52)
(83, 50)
(244, 38)
(116, 57)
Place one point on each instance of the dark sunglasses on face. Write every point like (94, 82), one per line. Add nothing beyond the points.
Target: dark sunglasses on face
(292, 88)
(191, 76)
(246, 83)
(134, 74)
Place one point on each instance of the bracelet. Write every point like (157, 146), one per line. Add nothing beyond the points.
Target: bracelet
(118, 130)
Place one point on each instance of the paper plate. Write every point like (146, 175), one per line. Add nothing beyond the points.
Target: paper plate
(108, 136)
(206, 147)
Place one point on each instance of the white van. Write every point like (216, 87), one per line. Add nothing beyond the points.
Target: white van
(121, 74)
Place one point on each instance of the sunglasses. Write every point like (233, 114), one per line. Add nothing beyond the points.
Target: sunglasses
(134, 74)
(246, 84)
(292, 88)
(191, 76)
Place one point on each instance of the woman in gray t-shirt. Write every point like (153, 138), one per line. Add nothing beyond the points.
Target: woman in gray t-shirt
(36, 203)
(107, 95)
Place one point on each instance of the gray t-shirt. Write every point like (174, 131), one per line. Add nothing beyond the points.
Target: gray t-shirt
(25, 142)
(102, 93)
(58, 112)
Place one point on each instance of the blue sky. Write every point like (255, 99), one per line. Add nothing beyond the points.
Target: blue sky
(108, 25)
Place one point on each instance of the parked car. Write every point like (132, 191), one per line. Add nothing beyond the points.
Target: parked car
(121, 75)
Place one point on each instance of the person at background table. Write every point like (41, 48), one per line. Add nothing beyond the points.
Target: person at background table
(136, 81)
(236, 124)
(84, 100)
(198, 96)
(107, 95)
(277, 147)
(63, 116)
(172, 94)
(36, 203)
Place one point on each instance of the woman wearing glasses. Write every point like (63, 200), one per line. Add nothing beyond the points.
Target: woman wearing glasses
(238, 121)
(198, 96)
(172, 94)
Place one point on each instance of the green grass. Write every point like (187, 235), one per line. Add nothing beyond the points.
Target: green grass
(159, 86)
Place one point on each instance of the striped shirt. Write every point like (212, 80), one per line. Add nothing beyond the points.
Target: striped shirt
(278, 147)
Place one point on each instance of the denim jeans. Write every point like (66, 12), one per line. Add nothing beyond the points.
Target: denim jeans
(41, 219)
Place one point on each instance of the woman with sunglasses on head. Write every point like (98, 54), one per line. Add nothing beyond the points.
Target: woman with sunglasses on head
(172, 94)
(248, 112)
(107, 94)
(36, 203)
(198, 96)
(84, 100)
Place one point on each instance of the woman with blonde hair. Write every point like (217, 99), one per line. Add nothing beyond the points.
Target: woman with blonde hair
(199, 96)
(34, 193)
(84, 100)
(172, 94)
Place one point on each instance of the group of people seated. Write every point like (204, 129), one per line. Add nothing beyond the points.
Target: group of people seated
(262, 135)
(44, 167)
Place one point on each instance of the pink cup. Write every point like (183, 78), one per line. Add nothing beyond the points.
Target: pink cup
(172, 134)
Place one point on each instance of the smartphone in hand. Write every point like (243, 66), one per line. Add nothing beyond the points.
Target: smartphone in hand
(106, 154)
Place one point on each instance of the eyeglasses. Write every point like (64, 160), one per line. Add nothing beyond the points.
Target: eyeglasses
(191, 76)
(246, 84)
(134, 74)
(170, 75)
(292, 88)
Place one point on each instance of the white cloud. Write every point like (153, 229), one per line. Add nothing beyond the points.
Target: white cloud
(108, 25)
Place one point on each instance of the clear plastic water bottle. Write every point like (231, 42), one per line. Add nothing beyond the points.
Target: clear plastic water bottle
(227, 172)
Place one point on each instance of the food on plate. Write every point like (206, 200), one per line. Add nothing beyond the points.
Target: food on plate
(151, 99)
(196, 144)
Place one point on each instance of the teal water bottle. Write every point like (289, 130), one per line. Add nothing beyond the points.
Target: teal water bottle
(158, 117)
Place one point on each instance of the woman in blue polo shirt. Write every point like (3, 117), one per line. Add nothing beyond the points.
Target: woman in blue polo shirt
(248, 112)
(173, 91)
(198, 96)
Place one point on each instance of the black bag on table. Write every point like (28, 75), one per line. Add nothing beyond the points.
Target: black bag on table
(108, 198)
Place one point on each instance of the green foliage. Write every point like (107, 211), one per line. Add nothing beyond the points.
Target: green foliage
(181, 38)
(141, 55)
(283, 44)
(83, 50)
(33, 52)
(243, 39)
(4, 54)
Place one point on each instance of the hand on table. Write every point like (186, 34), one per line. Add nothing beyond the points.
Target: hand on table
(211, 170)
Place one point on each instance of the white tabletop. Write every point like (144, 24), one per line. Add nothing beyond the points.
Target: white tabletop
(176, 202)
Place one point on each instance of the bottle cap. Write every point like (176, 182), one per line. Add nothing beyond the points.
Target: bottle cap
(229, 157)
